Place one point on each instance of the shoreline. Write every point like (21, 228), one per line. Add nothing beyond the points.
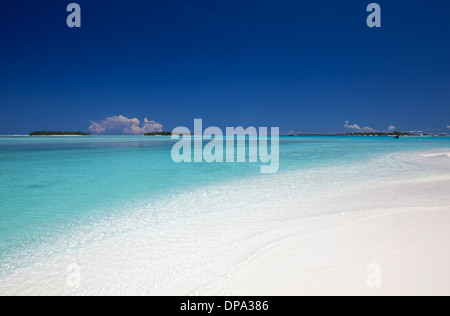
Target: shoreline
(260, 245)
(335, 254)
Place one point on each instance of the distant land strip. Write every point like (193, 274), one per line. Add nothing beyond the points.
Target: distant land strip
(380, 134)
(165, 134)
(51, 133)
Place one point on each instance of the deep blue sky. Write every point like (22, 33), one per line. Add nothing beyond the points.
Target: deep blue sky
(301, 65)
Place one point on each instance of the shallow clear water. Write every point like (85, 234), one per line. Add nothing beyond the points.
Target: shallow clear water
(52, 185)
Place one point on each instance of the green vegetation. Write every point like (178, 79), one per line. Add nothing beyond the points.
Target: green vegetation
(47, 133)
(164, 134)
(158, 134)
(401, 134)
(378, 134)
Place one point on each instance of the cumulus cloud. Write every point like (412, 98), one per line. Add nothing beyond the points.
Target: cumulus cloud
(354, 126)
(448, 126)
(392, 128)
(358, 128)
(121, 124)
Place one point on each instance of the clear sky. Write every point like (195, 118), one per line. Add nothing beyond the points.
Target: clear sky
(306, 66)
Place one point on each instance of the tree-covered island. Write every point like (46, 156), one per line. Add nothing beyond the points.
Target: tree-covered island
(51, 133)
(164, 134)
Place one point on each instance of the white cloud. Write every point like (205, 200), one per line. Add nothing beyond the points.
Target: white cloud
(96, 128)
(354, 126)
(358, 128)
(392, 128)
(121, 124)
(448, 126)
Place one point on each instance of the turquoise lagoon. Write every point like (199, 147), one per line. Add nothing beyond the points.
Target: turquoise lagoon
(50, 186)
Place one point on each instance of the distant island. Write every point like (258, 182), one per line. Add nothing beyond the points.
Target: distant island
(379, 134)
(164, 134)
(158, 134)
(50, 133)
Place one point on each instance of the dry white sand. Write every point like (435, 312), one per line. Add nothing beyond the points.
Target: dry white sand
(409, 247)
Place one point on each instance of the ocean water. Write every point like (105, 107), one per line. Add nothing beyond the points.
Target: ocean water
(56, 191)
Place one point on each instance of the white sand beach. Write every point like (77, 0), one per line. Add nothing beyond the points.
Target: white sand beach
(274, 236)
(404, 234)
(409, 246)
